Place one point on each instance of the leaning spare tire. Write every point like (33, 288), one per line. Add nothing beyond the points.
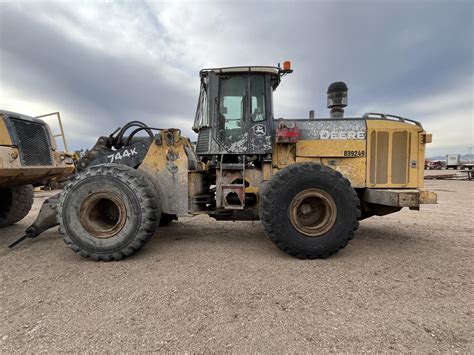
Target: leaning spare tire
(15, 204)
(108, 212)
(309, 210)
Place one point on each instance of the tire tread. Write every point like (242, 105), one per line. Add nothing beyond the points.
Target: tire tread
(142, 190)
(20, 206)
(269, 200)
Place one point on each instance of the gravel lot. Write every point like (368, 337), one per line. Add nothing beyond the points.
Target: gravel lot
(402, 284)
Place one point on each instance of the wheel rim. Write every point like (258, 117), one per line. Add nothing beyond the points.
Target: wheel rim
(313, 212)
(103, 214)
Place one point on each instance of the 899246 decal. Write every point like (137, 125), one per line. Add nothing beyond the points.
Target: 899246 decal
(354, 153)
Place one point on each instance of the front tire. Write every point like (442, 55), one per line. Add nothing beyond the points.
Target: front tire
(15, 204)
(309, 210)
(108, 212)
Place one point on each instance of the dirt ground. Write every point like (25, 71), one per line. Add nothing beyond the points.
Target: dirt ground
(402, 284)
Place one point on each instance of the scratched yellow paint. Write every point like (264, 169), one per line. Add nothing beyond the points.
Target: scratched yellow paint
(283, 155)
(328, 152)
(166, 166)
(4, 136)
(351, 168)
(329, 148)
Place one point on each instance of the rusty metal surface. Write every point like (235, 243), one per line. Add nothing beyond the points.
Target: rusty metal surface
(196, 190)
(313, 212)
(166, 167)
(238, 191)
(250, 182)
(399, 197)
(226, 178)
(103, 214)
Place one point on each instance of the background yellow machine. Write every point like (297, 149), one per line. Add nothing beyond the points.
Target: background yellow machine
(309, 181)
(28, 157)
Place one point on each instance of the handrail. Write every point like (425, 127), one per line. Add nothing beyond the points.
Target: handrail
(62, 135)
(386, 116)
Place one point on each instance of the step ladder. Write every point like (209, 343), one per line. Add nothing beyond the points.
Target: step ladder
(236, 191)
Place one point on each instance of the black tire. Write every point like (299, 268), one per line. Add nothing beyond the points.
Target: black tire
(167, 219)
(108, 212)
(283, 190)
(15, 204)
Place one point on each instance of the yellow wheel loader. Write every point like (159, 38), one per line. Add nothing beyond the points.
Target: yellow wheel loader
(309, 181)
(28, 158)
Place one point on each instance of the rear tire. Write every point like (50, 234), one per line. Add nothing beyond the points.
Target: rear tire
(15, 204)
(108, 212)
(309, 210)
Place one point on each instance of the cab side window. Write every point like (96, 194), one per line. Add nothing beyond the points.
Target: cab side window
(257, 89)
(232, 106)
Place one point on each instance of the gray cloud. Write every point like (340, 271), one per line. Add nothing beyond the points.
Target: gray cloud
(63, 69)
(104, 64)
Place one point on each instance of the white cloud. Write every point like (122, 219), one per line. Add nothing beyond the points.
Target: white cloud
(117, 61)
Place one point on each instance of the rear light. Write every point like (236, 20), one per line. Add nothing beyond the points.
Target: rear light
(426, 138)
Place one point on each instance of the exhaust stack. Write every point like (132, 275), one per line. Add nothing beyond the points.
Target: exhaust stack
(337, 99)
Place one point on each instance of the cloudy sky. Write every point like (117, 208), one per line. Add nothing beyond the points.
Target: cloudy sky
(102, 64)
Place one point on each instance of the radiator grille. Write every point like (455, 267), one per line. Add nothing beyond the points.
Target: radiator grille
(33, 142)
(382, 158)
(389, 157)
(400, 157)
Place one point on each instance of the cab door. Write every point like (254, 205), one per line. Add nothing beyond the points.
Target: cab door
(260, 118)
(232, 113)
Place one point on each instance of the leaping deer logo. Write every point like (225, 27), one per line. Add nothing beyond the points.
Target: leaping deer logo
(259, 130)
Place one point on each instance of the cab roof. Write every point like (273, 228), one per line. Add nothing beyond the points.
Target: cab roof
(243, 69)
(276, 72)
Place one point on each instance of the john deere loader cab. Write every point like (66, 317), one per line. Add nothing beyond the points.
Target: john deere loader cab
(235, 111)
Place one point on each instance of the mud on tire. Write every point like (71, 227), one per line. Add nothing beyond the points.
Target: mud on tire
(15, 203)
(292, 210)
(108, 212)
